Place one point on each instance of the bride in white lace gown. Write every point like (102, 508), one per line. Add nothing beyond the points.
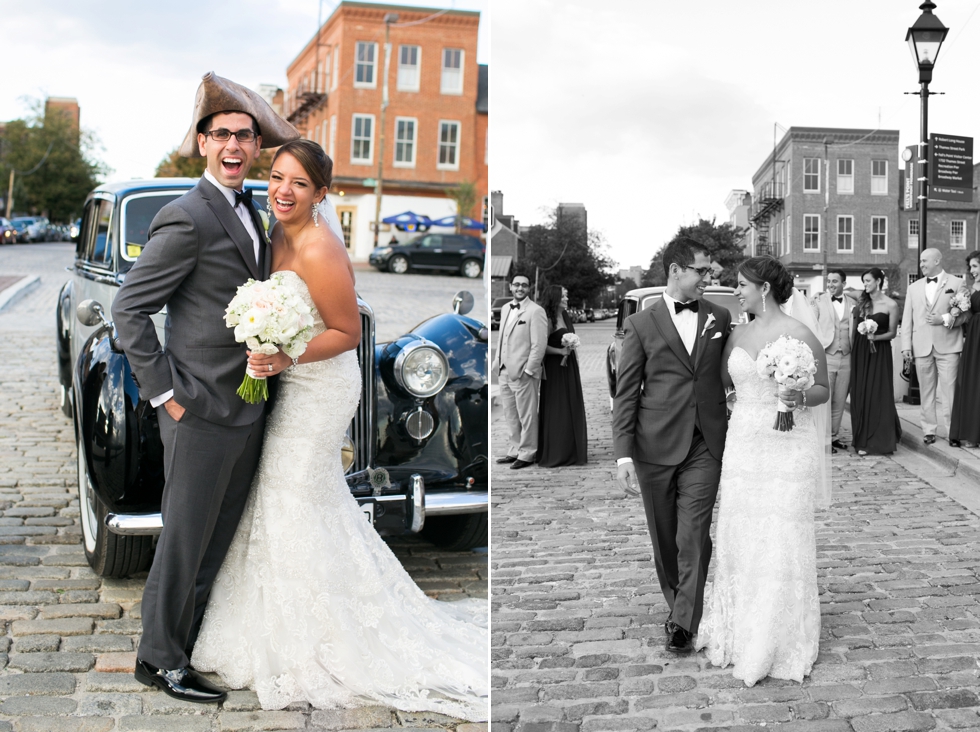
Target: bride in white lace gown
(762, 611)
(310, 604)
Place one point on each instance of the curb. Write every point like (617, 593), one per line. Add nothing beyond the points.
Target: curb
(11, 293)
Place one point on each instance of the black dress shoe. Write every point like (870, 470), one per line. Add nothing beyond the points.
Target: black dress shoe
(679, 640)
(505, 460)
(180, 683)
(518, 464)
(929, 439)
(839, 445)
(954, 443)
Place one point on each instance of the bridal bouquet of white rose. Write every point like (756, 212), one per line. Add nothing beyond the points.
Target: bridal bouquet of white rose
(868, 328)
(791, 364)
(569, 340)
(268, 315)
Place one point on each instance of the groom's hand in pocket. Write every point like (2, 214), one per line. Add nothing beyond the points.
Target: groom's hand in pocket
(174, 409)
(626, 475)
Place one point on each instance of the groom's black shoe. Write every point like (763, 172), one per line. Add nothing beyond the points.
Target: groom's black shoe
(518, 464)
(181, 683)
(505, 460)
(679, 640)
(929, 439)
(954, 443)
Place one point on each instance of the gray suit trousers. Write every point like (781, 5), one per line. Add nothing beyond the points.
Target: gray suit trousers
(208, 470)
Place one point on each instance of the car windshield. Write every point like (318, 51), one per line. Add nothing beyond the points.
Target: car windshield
(725, 299)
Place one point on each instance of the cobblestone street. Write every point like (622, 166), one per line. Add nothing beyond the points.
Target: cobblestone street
(67, 637)
(578, 640)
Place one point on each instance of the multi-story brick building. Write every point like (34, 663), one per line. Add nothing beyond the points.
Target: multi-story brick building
(435, 125)
(507, 245)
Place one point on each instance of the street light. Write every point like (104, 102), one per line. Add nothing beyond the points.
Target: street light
(924, 39)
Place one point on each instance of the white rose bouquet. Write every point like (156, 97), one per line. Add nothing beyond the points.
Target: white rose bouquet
(569, 340)
(267, 315)
(791, 364)
(959, 303)
(868, 328)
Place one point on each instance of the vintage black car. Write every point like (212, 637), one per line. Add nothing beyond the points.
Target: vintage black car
(445, 252)
(416, 458)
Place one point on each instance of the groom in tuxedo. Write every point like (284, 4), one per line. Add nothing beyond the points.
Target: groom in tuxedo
(669, 425)
(200, 249)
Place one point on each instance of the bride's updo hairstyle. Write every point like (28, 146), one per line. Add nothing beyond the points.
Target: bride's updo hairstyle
(315, 162)
(760, 270)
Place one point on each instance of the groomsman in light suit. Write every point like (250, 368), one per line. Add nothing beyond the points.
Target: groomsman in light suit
(832, 309)
(934, 341)
(518, 366)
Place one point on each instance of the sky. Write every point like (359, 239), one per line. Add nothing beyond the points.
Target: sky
(650, 113)
(134, 66)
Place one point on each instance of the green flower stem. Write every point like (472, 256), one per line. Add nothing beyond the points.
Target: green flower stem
(252, 390)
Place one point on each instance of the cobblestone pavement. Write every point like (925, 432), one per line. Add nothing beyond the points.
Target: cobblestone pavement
(577, 614)
(67, 637)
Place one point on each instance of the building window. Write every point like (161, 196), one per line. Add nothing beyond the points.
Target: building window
(408, 68)
(361, 136)
(811, 175)
(789, 234)
(845, 233)
(879, 177)
(325, 135)
(879, 234)
(364, 76)
(452, 71)
(811, 232)
(405, 128)
(336, 60)
(913, 233)
(957, 235)
(448, 146)
(845, 176)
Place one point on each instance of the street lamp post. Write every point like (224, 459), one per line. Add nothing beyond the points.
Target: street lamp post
(379, 185)
(924, 39)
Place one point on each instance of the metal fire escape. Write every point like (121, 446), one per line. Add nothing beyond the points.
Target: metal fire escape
(767, 202)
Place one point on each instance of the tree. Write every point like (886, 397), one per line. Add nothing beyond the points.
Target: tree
(58, 188)
(464, 195)
(175, 166)
(722, 241)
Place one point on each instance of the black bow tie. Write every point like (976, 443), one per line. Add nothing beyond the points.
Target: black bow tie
(837, 299)
(692, 306)
(515, 306)
(245, 196)
(931, 279)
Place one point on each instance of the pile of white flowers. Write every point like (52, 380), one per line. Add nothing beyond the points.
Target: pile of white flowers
(790, 363)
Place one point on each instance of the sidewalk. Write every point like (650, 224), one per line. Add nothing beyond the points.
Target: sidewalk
(13, 286)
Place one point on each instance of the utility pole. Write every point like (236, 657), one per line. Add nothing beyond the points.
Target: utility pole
(379, 187)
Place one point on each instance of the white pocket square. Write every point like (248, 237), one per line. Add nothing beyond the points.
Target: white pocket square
(716, 335)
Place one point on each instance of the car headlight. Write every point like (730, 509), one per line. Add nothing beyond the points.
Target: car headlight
(383, 251)
(422, 369)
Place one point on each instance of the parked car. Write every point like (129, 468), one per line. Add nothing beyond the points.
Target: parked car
(74, 228)
(445, 252)
(495, 311)
(417, 449)
(8, 234)
(20, 225)
(34, 228)
(643, 297)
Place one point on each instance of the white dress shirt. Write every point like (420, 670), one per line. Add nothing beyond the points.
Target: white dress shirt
(838, 306)
(932, 288)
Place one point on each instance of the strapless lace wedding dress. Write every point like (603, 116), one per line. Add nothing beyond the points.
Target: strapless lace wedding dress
(310, 604)
(762, 612)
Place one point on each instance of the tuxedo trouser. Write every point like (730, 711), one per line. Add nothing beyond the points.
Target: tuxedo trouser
(839, 374)
(208, 470)
(519, 398)
(929, 369)
(679, 500)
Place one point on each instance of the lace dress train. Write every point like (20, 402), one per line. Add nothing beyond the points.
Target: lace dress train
(310, 603)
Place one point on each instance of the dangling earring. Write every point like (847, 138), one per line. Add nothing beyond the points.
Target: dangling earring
(763, 302)
(268, 206)
(315, 211)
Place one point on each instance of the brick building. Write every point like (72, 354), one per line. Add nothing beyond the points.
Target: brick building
(507, 246)
(435, 125)
(67, 106)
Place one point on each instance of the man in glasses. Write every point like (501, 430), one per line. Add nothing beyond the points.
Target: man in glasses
(669, 425)
(201, 248)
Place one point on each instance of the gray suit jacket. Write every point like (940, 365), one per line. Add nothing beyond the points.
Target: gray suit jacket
(524, 339)
(197, 255)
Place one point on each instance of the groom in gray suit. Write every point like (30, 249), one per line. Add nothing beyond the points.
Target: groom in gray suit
(201, 248)
(669, 424)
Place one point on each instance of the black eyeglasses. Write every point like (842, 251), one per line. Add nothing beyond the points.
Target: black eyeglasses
(223, 135)
(701, 271)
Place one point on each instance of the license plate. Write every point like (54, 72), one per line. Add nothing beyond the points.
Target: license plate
(368, 510)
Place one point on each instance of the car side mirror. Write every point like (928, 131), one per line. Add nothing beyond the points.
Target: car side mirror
(462, 302)
(91, 313)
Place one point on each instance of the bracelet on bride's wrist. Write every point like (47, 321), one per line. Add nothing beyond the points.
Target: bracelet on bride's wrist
(804, 398)
(295, 360)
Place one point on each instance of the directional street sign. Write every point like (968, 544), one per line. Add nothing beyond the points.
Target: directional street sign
(951, 168)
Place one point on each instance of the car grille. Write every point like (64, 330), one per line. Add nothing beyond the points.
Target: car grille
(362, 426)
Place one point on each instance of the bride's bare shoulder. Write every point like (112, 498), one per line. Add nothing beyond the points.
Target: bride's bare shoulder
(324, 251)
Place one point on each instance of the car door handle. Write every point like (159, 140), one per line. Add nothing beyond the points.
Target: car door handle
(437, 251)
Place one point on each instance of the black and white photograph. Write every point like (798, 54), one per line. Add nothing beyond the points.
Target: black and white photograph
(734, 429)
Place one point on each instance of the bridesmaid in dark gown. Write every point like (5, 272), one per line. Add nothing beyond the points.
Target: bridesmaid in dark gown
(874, 419)
(965, 422)
(562, 438)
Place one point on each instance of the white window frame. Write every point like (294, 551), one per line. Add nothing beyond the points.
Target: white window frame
(789, 234)
(806, 174)
(335, 53)
(325, 135)
(355, 139)
(881, 180)
(849, 234)
(808, 232)
(913, 236)
(414, 142)
(372, 65)
(445, 83)
(408, 86)
(882, 234)
(456, 145)
(845, 181)
(953, 243)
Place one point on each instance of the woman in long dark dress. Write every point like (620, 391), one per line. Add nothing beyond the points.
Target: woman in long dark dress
(874, 419)
(965, 422)
(562, 438)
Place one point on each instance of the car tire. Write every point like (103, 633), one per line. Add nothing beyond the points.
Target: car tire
(457, 533)
(109, 555)
(471, 268)
(398, 264)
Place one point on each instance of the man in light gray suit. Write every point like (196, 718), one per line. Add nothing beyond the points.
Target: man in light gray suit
(832, 309)
(201, 248)
(517, 365)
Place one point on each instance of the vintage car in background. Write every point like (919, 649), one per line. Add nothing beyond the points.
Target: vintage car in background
(643, 297)
(416, 455)
(436, 252)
